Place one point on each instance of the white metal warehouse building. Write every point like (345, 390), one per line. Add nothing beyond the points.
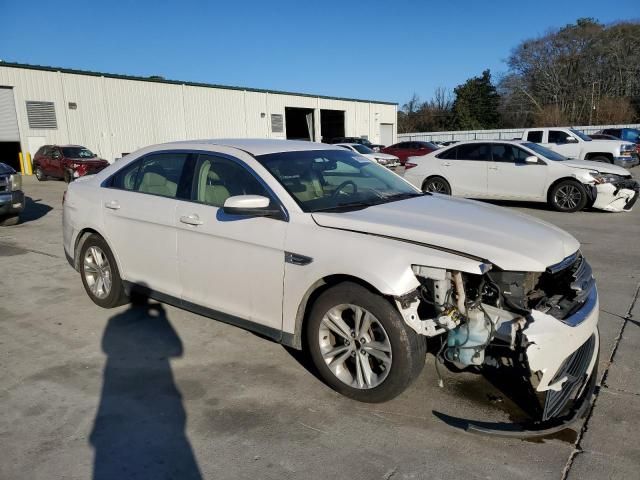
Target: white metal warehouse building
(115, 114)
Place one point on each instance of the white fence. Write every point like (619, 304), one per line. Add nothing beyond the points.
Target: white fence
(500, 134)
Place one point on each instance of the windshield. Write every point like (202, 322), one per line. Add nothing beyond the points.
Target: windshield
(584, 137)
(545, 152)
(631, 135)
(363, 149)
(335, 180)
(77, 152)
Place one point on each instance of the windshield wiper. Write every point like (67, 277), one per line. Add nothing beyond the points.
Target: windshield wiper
(403, 196)
(346, 207)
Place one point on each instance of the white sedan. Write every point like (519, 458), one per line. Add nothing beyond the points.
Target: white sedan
(384, 159)
(518, 170)
(320, 249)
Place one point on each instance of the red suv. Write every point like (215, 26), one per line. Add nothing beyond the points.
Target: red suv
(404, 150)
(66, 161)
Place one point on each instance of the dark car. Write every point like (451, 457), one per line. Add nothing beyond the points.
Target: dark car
(66, 162)
(627, 134)
(360, 140)
(11, 195)
(404, 150)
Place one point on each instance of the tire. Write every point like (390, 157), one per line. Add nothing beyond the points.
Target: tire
(68, 178)
(436, 185)
(95, 272)
(568, 196)
(40, 174)
(9, 221)
(601, 158)
(387, 369)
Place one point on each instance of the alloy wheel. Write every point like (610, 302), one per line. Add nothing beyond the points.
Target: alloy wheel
(97, 272)
(437, 186)
(355, 346)
(568, 197)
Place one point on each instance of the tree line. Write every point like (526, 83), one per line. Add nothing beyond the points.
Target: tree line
(585, 73)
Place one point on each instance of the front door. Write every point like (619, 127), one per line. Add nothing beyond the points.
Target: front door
(139, 213)
(509, 177)
(229, 264)
(564, 143)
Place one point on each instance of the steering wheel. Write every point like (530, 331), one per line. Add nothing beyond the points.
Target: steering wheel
(342, 185)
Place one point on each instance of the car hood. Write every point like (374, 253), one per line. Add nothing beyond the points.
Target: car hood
(598, 166)
(6, 169)
(509, 240)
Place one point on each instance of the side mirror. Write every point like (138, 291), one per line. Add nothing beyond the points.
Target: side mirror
(531, 159)
(250, 205)
(570, 139)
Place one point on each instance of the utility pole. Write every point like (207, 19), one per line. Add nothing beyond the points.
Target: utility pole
(593, 107)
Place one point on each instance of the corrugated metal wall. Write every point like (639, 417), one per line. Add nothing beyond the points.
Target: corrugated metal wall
(112, 116)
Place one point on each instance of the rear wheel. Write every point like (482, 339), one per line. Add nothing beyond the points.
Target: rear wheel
(99, 273)
(568, 196)
(436, 185)
(361, 346)
(40, 174)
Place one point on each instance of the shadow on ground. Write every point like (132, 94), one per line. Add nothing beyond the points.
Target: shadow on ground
(34, 209)
(139, 429)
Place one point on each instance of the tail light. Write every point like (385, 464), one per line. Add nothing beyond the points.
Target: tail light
(409, 165)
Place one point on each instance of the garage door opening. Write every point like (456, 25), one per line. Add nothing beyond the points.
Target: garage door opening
(331, 124)
(386, 134)
(299, 123)
(10, 154)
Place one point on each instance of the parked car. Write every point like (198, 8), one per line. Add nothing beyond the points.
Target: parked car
(362, 141)
(574, 144)
(449, 142)
(66, 162)
(318, 249)
(602, 136)
(389, 161)
(11, 195)
(404, 150)
(517, 170)
(627, 134)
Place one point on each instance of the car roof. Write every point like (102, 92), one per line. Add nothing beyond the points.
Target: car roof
(490, 140)
(350, 144)
(259, 146)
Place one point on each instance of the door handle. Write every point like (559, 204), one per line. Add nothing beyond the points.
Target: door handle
(493, 168)
(446, 164)
(112, 205)
(192, 219)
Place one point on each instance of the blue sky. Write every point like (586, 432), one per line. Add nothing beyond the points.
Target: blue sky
(383, 50)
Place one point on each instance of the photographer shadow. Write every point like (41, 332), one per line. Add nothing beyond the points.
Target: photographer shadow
(139, 429)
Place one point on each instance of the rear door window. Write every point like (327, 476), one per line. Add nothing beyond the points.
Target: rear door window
(449, 154)
(535, 136)
(474, 151)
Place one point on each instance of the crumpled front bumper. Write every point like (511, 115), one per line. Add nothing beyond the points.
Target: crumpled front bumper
(617, 196)
(553, 341)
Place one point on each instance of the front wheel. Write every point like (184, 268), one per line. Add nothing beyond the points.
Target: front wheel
(601, 158)
(9, 221)
(361, 346)
(436, 185)
(99, 273)
(568, 196)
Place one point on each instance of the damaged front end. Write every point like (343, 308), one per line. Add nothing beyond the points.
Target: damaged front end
(615, 193)
(539, 326)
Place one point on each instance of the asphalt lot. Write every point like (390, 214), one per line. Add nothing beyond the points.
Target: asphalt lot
(155, 392)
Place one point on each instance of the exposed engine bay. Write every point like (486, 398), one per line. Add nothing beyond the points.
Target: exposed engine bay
(515, 321)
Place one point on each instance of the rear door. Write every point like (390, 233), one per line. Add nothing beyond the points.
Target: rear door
(509, 177)
(55, 163)
(139, 215)
(467, 172)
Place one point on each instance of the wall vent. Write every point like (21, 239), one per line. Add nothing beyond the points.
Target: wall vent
(277, 123)
(41, 115)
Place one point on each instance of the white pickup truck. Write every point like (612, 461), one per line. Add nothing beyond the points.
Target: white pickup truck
(574, 144)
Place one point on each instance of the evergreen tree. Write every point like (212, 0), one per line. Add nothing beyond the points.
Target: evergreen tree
(476, 104)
